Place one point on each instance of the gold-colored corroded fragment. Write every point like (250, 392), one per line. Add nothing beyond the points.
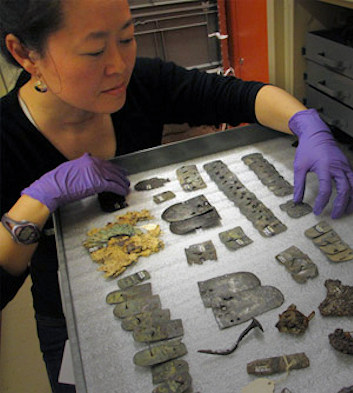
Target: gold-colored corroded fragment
(134, 217)
(98, 237)
(119, 244)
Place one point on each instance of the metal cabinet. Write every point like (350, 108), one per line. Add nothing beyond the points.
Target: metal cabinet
(329, 76)
(178, 31)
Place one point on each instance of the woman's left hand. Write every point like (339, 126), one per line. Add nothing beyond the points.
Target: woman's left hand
(318, 152)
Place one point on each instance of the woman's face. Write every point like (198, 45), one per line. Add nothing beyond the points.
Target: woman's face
(89, 61)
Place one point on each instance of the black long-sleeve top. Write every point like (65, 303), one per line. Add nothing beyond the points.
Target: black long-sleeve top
(158, 93)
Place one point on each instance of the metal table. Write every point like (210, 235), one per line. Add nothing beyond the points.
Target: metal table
(102, 351)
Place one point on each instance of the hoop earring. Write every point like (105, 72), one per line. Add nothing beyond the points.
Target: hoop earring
(40, 86)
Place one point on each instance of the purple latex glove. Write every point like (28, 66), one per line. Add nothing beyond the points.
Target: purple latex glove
(317, 152)
(77, 179)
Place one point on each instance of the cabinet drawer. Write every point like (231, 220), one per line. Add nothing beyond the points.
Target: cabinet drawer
(332, 112)
(328, 49)
(335, 85)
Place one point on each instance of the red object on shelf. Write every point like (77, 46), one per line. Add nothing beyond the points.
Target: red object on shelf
(246, 49)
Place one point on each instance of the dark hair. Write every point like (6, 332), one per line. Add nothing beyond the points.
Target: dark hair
(31, 21)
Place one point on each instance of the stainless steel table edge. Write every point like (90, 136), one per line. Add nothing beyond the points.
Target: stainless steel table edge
(144, 160)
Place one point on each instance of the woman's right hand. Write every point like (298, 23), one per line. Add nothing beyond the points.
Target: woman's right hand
(77, 179)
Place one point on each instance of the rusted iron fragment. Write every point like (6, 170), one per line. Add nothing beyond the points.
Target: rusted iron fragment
(299, 265)
(293, 321)
(160, 353)
(178, 383)
(341, 341)
(201, 252)
(226, 285)
(338, 301)
(150, 184)
(133, 279)
(158, 331)
(242, 306)
(163, 371)
(278, 364)
(234, 238)
(137, 306)
(145, 318)
(122, 295)
(296, 210)
(189, 178)
(254, 324)
(163, 197)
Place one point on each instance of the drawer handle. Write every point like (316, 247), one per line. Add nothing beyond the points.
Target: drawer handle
(321, 85)
(338, 64)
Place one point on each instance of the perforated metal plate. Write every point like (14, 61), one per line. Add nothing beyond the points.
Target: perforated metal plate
(201, 252)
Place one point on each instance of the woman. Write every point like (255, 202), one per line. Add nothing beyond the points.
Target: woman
(84, 99)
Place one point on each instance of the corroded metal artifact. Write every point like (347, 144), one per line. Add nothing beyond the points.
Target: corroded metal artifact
(201, 252)
(278, 364)
(122, 295)
(192, 214)
(293, 321)
(296, 210)
(268, 174)
(226, 285)
(178, 383)
(189, 178)
(120, 243)
(254, 324)
(145, 318)
(242, 306)
(137, 306)
(158, 331)
(238, 297)
(299, 265)
(329, 242)
(162, 372)
(163, 197)
(341, 341)
(234, 238)
(133, 279)
(110, 202)
(339, 300)
(262, 217)
(150, 184)
(160, 353)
